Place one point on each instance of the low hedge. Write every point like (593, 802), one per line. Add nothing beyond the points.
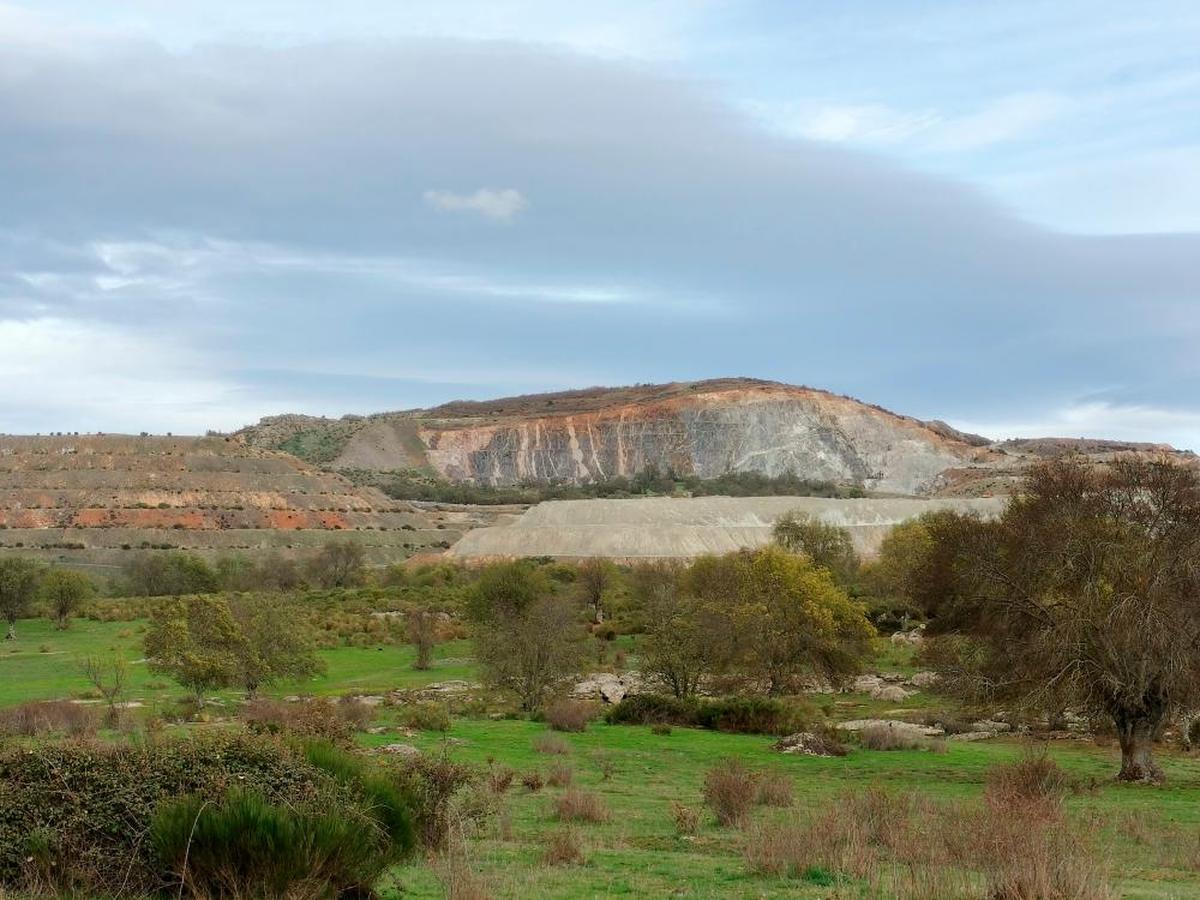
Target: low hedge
(736, 715)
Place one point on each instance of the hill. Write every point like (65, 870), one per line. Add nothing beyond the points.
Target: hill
(706, 428)
(90, 499)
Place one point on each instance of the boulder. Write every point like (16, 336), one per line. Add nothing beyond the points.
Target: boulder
(913, 638)
(922, 730)
(809, 743)
(924, 679)
(891, 693)
(400, 749)
(864, 684)
(608, 687)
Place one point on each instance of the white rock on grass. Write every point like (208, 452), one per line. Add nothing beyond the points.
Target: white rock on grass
(400, 749)
(891, 693)
(896, 724)
(924, 679)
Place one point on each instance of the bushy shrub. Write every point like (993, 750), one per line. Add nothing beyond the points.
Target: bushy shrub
(885, 736)
(686, 818)
(751, 715)
(314, 718)
(47, 717)
(563, 848)
(533, 781)
(551, 743)
(570, 715)
(245, 846)
(773, 789)
(561, 775)
(1034, 779)
(729, 791)
(441, 791)
(93, 804)
(737, 715)
(580, 806)
(423, 716)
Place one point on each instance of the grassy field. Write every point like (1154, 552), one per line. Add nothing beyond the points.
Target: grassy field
(638, 852)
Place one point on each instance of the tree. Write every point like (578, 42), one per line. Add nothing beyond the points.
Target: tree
(1085, 594)
(826, 545)
(64, 591)
(527, 639)
(109, 677)
(680, 649)
(276, 641)
(196, 641)
(595, 579)
(173, 574)
(421, 627)
(338, 564)
(783, 617)
(18, 585)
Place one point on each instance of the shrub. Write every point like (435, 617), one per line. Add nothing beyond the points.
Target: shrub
(533, 781)
(575, 805)
(773, 789)
(729, 791)
(660, 729)
(751, 715)
(570, 715)
(94, 803)
(561, 775)
(687, 818)
(652, 709)
(424, 717)
(314, 718)
(1033, 780)
(500, 779)
(550, 743)
(606, 765)
(439, 791)
(48, 716)
(563, 848)
(247, 846)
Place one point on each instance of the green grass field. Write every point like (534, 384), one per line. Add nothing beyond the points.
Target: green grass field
(638, 852)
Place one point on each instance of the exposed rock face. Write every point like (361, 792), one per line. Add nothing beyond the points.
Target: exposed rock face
(706, 429)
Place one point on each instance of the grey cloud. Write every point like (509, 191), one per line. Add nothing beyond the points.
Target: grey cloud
(732, 250)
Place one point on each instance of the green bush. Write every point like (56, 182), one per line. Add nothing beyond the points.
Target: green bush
(423, 716)
(92, 804)
(653, 709)
(737, 715)
(245, 846)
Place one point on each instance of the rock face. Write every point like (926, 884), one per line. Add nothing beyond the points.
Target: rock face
(704, 428)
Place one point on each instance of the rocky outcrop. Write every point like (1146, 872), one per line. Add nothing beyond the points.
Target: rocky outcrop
(705, 429)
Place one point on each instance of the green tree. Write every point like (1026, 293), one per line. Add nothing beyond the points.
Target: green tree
(338, 564)
(596, 579)
(421, 629)
(782, 617)
(64, 591)
(109, 677)
(173, 574)
(527, 639)
(826, 545)
(18, 585)
(683, 647)
(276, 641)
(196, 641)
(1084, 594)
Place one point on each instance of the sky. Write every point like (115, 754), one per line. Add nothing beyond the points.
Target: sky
(984, 212)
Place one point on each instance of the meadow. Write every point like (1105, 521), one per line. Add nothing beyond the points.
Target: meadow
(639, 773)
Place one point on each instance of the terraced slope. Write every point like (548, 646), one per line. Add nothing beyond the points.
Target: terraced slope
(89, 499)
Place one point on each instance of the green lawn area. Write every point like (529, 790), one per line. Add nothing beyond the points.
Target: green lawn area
(638, 852)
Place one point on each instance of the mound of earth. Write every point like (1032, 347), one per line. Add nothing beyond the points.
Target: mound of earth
(670, 527)
(88, 499)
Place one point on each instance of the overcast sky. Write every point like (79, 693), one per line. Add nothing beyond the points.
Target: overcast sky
(984, 212)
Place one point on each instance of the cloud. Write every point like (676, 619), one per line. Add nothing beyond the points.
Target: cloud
(1178, 427)
(256, 237)
(492, 204)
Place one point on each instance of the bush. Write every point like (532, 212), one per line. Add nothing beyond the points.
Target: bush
(736, 715)
(550, 743)
(652, 709)
(561, 775)
(424, 717)
(92, 805)
(1035, 779)
(660, 729)
(751, 715)
(687, 818)
(580, 806)
(46, 717)
(533, 781)
(500, 779)
(563, 848)
(570, 715)
(729, 791)
(441, 792)
(773, 789)
(314, 718)
(245, 846)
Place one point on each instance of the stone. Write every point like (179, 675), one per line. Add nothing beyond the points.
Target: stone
(891, 693)
(913, 728)
(913, 638)
(864, 684)
(808, 743)
(608, 687)
(990, 725)
(969, 736)
(925, 679)
(401, 750)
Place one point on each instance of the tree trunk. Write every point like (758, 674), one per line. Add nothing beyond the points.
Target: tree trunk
(1135, 732)
(12, 632)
